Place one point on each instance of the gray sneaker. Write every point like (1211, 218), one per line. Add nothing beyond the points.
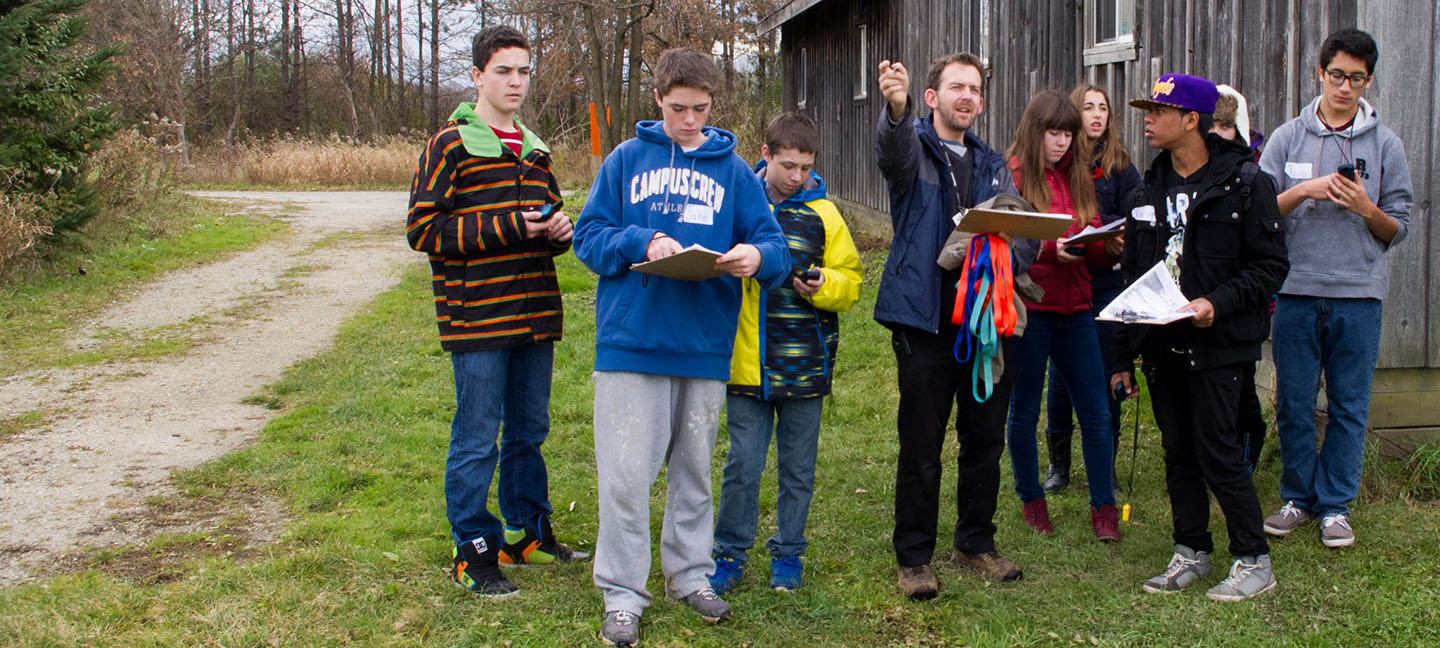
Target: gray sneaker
(621, 628)
(1335, 531)
(1286, 520)
(1249, 576)
(1185, 566)
(711, 607)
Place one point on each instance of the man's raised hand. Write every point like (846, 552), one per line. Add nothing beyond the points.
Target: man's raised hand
(895, 87)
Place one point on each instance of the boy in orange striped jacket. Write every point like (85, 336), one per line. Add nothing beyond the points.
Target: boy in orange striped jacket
(486, 208)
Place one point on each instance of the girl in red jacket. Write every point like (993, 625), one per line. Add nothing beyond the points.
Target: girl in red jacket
(1053, 174)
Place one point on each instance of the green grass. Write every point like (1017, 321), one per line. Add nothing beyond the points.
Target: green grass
(39, 315)
(357, 457)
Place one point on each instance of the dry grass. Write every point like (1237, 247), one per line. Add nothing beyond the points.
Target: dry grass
(333, 162)
(22, 225)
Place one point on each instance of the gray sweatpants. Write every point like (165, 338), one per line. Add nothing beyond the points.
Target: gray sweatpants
(643, 421)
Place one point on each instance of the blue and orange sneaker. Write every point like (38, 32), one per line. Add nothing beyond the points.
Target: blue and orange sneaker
(727, 572)
(474, 566)
(536, 545)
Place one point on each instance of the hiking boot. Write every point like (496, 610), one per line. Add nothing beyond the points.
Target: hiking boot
(1335, 531)
(1287, 519)
(918, 583)
(1249, 576)
(785, 573)
(711, 607)
(727, 572)
(475, 567)
(1106, 522)
(1185, 566)
(991, 565)
(1059, 475)
(620, 628)
(536, 545)
(1037, 515)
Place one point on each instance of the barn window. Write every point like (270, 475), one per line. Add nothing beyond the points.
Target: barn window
(1109, 31)
(862, 81)
(804, 81)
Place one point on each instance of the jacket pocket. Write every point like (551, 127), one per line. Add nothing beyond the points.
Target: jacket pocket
(1219, 234)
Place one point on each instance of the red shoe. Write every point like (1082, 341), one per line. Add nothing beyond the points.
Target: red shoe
(1106, 521)
(1037, 515)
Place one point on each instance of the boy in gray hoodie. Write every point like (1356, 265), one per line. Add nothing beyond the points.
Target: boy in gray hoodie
(1345, 189)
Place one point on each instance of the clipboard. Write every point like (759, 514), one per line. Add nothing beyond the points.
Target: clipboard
(694, 263)
(1113, 229)
(1019, 224)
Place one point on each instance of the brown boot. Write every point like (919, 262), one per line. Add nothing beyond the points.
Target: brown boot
(990, 564)
(918, 583)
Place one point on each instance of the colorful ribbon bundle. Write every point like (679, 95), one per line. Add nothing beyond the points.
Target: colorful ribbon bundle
(986, 310)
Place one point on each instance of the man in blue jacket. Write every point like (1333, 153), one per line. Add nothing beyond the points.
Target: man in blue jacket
(934, 166)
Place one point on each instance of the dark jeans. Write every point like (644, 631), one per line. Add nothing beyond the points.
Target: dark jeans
(1341, 338)
(1196, 413)
(1068, 341)
(1057, 400)
(499, 390)
(930, 381)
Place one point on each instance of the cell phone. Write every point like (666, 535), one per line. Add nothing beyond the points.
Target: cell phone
(1119, 392)
(810, 275)
(1347, 169)
(1076, 250)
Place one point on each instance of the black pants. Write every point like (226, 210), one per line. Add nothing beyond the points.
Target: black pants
(930, 381)
(1196, 412)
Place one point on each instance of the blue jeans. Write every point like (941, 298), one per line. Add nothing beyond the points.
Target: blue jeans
(1069, 342)
(1342, 338)
(507, 388)
(1058, 419)
(796, 425)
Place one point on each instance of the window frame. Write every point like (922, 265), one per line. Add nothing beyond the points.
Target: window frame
(862, 86)
(1120, 48)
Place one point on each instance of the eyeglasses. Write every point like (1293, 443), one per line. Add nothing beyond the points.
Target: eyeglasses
(1338, 78)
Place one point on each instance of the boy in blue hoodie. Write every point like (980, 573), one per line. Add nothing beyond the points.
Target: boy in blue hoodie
(1345, 191)
(663, 346)
(784, 358)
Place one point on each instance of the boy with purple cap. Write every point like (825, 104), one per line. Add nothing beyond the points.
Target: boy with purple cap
(1206, 212)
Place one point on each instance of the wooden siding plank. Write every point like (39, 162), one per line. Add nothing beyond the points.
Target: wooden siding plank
(1407, 108)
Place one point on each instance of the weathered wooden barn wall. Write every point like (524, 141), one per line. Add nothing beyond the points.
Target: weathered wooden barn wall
(1267, 49)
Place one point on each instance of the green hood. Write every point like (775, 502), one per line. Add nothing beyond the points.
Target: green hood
(480, 141)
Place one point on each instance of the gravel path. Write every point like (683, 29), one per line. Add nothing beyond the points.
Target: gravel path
(123, 427)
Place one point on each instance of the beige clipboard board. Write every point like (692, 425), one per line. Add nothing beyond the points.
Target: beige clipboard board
(1019, 224)
(694, 263)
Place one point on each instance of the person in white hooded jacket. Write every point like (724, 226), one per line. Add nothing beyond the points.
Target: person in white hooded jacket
(1345, 190)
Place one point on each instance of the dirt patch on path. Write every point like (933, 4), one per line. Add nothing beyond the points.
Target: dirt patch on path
(115, 432)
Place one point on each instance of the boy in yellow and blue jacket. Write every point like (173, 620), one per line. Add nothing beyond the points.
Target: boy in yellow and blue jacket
(783, 362)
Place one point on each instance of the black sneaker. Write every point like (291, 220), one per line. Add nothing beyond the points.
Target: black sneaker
(536, 545)
(476, 568)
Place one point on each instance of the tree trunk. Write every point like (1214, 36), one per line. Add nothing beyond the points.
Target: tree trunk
(637, 56)
(596, 82)
(434, 65)
(400, 60)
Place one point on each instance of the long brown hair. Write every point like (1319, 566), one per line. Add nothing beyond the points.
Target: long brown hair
(1114, 155)
(1050, 110)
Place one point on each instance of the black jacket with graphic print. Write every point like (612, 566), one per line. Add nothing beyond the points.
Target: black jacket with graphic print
(1233, 256)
